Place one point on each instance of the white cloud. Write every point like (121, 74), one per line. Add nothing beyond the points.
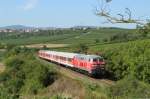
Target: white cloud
(30, 4)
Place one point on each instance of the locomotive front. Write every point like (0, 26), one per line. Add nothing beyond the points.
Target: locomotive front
(97, 65)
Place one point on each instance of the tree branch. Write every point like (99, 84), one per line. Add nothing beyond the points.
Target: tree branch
(121, 19)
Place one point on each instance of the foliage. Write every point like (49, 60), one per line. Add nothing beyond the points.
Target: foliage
(24, 74)
(144, 30)
(97, 40)
(2, 46)
(82, 48)
(129, 87)
(127, 58)
(4, 94)
(124, 37)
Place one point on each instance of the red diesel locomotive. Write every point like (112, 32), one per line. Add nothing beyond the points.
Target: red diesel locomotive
(90, 63)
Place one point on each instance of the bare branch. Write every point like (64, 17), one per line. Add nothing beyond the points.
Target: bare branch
(129, 13)
(122, 16)
(103, 12)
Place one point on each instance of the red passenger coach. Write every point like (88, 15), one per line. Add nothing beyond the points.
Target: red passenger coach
(90, 63)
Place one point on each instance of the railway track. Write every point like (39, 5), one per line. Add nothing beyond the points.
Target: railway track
(76, 75)
(79, 76)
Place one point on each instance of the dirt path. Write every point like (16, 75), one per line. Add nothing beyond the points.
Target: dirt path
(47, 45)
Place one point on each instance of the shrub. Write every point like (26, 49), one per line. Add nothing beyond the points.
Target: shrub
(123, 37)
(82, 48)
(97, 40)
(129, 87)
(4, 94)
(24, 73)
(129, 58)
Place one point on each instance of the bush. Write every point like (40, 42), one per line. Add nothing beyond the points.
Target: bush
(4, 94)
(97, 40)
(118, 37)
(123, 37)
(105, 40)
(129, 87)
(129, 58)
(82, 48)
(24, 73)
(2, 46)
(37, 77)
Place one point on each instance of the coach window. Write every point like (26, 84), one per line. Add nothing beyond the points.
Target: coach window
(56, 57)
(82, 58)
(89, 59)
(65, 58)
(69, 59)
(60, 58)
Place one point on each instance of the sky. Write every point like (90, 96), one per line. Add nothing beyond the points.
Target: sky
(66, 13)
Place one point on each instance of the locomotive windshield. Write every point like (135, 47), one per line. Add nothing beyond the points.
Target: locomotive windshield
(98, 59)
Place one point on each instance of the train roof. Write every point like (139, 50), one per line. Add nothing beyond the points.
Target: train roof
(88, 56)
(63, 54)
(71, 55)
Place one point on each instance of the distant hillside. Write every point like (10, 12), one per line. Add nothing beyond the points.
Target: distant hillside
(16, 27)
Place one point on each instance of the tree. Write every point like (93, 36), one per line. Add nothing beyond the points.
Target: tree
(82, 48)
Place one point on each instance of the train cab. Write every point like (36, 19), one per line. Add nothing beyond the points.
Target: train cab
(97, 64)
(97, 61)
(90, 63)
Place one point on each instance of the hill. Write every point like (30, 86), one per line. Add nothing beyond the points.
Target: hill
(16, 27)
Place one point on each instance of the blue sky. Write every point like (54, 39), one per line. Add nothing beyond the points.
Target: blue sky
(65, 13)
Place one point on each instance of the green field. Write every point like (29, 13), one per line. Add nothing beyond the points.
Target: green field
(66, 36)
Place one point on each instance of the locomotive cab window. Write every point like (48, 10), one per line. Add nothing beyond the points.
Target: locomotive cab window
(97, 59)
